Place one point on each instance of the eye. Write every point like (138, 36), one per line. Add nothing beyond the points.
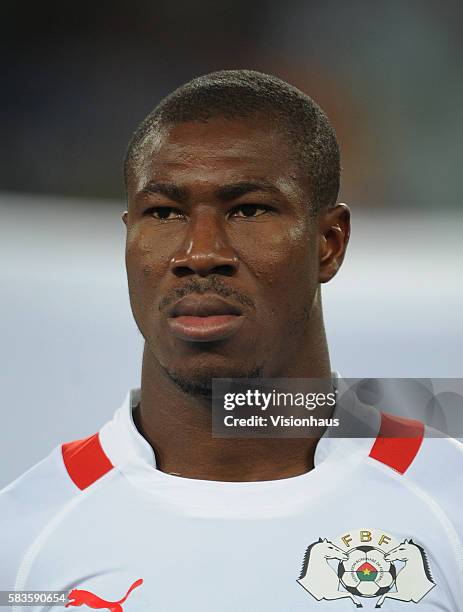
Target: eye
(164, 213)
(246, 211)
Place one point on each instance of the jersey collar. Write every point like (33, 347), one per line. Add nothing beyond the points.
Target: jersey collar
(122, 442)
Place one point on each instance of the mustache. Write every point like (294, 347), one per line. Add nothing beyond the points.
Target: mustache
(212, 284)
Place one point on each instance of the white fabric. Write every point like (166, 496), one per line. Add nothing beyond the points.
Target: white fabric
(211, 546)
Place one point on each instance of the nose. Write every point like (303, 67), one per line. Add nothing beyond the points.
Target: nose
(205, 249)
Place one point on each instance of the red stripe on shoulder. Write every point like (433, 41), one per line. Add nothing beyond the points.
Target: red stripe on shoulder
(398, 442)
(85, 461)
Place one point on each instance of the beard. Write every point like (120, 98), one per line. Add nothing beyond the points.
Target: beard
(201, 386)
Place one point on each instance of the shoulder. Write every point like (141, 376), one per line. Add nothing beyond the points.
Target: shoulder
(26, 505)
(438, 467)
(30, 502)
(437, 472)
(429, 462)
(410, 447)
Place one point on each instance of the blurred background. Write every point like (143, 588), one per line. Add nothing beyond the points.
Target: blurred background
(78, 78)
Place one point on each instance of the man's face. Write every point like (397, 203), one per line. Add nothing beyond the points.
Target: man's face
(219, 209)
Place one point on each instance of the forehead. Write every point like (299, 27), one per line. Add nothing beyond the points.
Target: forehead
(216, 152)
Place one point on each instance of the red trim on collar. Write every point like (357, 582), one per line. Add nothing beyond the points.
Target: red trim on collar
(398, 442)
(85, 461)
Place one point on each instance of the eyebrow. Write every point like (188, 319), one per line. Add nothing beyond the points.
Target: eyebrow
(225, 193)
(169, 190)
(236, 190)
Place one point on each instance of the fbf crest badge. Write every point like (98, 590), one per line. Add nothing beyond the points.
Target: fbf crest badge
(366, 563)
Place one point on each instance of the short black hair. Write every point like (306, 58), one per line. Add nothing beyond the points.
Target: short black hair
(235, 94)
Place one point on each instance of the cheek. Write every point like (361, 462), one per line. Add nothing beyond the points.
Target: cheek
(144, 248)
(288, 257)
(145, 261)
(287, 272)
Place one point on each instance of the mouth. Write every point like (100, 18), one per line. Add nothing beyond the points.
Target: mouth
(204, 318)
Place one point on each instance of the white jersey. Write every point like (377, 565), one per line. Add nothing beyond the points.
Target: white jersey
(376, 523)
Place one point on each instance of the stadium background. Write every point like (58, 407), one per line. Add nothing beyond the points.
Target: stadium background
(77, 78)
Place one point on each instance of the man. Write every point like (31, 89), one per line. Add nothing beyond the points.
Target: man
(232, 226)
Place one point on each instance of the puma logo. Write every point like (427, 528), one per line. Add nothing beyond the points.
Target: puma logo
(78, 597)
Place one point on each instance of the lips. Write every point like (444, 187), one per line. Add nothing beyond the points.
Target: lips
(204, 318)
(203, 306)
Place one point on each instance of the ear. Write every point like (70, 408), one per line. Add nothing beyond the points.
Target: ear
(125, 214)
(334, 229)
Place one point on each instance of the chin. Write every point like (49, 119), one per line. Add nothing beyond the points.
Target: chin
(198, 380)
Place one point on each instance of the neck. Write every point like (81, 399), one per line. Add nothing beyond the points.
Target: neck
(178, 426)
